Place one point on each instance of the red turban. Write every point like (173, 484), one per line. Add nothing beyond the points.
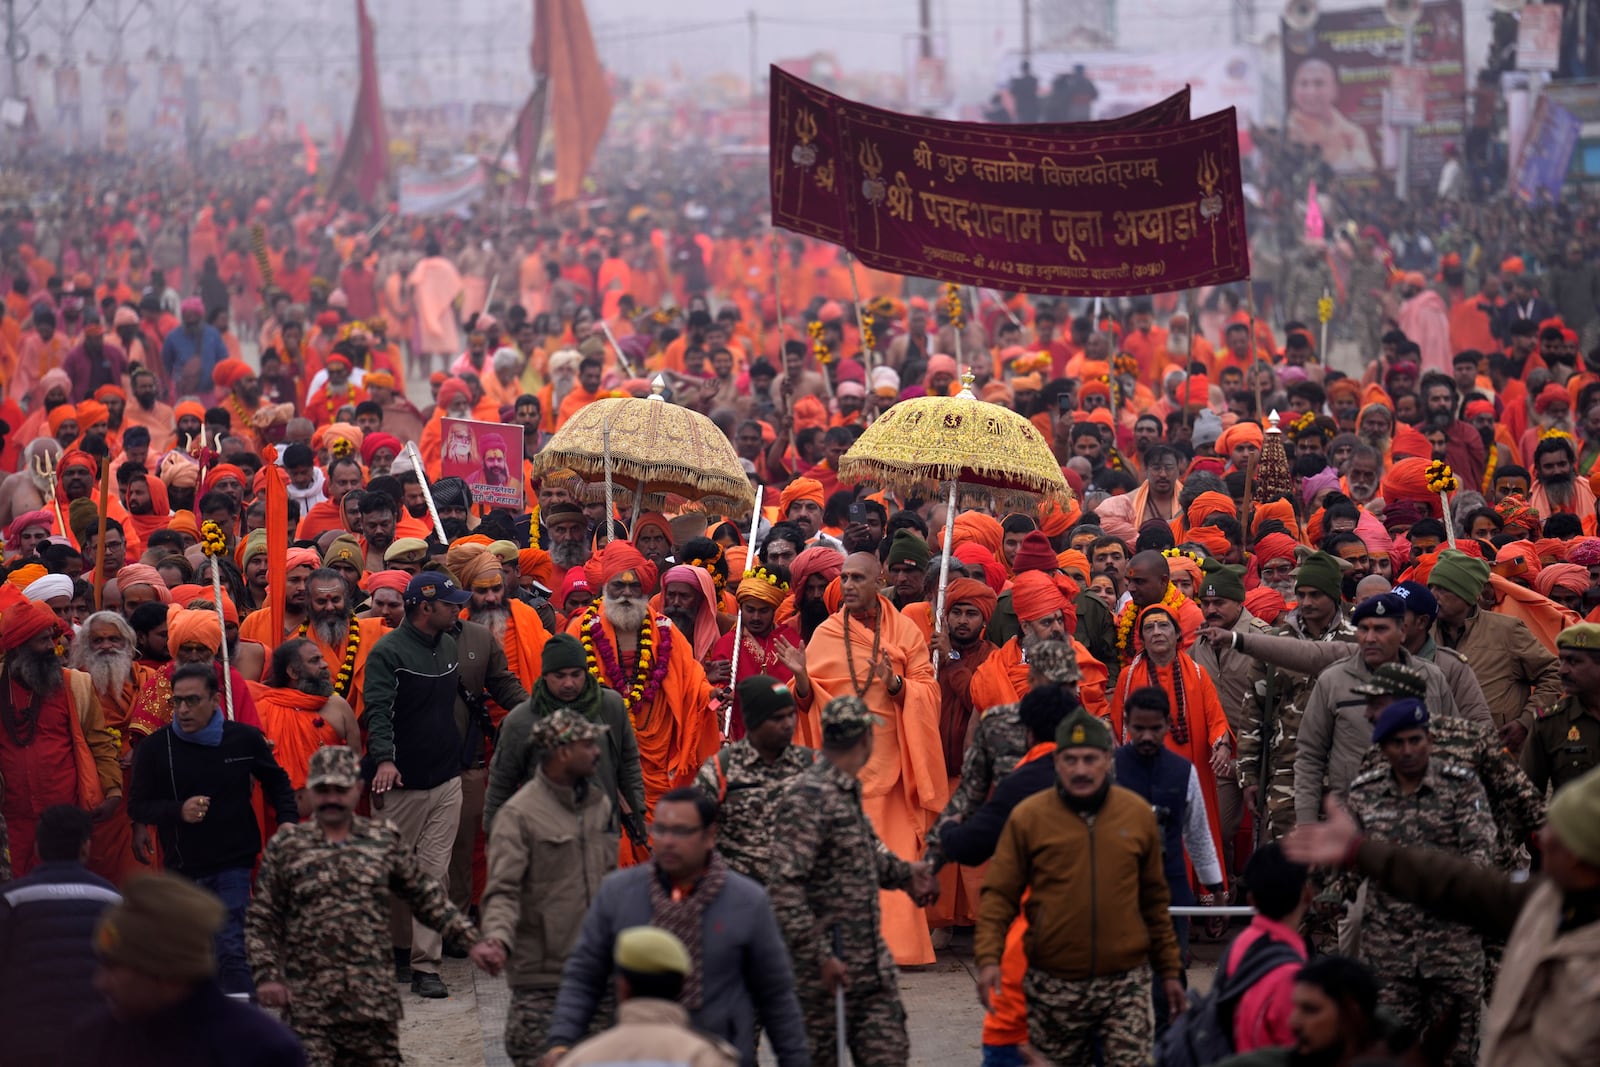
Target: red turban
(818, 559)
(230, 371)
(620, 557)
(219, 472)
(1550, 550)
(1566, 575)
(1408, 442)
(1550, 396)
(1275, 546)
(451, 389)
(975, 555)
(1408, 480)
(59, 415)
(800, 489)
(1265, 603)
(971, 591)
(374, 441)
(25, 520)
(1240, 433)
(301, 557)
(76, 457)
(396, 580)
(1475, 408)
(1035, 595)
(1209, 538)
(23, 622)
(1035, 554)
(1208, 504)
(653, 520)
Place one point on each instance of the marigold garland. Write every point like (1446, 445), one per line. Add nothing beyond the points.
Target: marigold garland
(1324, 309)
(601, 657)
(213, 542)
(1441, 479)
(819, 347)
(1125, 364)
(767, 576)
(341, 446)
(952, 305)
(1173, 600)
(1488, 470)
(352, 648)
(869, 340)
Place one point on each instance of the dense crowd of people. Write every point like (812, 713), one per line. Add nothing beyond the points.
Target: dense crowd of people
(1325, 643)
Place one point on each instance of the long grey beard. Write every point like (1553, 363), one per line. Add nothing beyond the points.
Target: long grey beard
(38, 674)
(494, 618)
(569, 554)
(109, 670)
(627, 615)
(331, 631)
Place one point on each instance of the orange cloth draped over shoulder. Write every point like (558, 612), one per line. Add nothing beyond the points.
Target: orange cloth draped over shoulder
(371, 630)
(676, 730)
(1198, 716)
(906, 778)
(1003, 679)
(293, 722)
(524, 643)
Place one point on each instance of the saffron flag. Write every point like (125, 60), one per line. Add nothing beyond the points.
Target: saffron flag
(310, 148)
(364, 163)
(580, 101)
(525, 138)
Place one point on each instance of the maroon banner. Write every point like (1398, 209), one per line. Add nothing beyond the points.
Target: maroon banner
(804, 143)
(1040, 209)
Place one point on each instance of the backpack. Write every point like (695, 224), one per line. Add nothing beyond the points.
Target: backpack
(1204, 1033)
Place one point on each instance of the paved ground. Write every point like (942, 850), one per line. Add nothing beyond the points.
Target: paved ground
(946, 1021)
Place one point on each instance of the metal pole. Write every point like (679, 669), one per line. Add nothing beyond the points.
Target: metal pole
(944, 557)
(227, 669)
(738, 623)
(605, 445)
(427, 493)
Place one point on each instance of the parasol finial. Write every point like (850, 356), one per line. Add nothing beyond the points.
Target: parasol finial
(1272, 422)
(967, 378)
(657, 387)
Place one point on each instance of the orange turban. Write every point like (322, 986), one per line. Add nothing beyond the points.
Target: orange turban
(1282, 510)
(758, 588)
(1566, 575)
(1348, 388)
(1408, 480)
(1275, 546)
(1408, 442)
(1035, 595)
(799, 489)
(1550, 550)
(396, 580)
(199, 626)
(1055, 520)
(1518, 560)
(301, 557)
(184, 522)
(76, 457)
(1210, 503)
(658, 521)
(975, 555)
(24, 621)
(189, 407)
(1265, 603)
(1240, 433)
(474, 566)
(218, 473)
(1209, 538)
(1073, 560)
(59, 415)
(1185, 565)
(184, 595)
(971, 591)
(230, 371)
(620, 557)
(808, 412)
(980, 528)
(92, 413)
(534, 564)
(133, 574)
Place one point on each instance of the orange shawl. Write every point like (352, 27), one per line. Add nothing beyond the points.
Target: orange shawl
(524, 644)
(1003, 679)
(292, 722)
(371, 630)
(905, 779)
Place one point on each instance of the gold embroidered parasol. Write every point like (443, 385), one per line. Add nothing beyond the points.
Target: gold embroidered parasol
(920, 446)
(655, 449)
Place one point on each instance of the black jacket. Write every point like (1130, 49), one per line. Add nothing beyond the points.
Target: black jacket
(168, 770)
(410, 714)
(206, 1030)
(47, 958)
(973, 840)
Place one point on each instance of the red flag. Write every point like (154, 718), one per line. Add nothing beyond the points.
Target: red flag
(364, 163)
(580, 101)
(310, 148)
(525, 138)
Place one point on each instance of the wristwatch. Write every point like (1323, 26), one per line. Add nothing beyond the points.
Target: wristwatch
(899, 684)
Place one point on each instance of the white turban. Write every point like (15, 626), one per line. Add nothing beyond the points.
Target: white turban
(506, 359)
(49, 587)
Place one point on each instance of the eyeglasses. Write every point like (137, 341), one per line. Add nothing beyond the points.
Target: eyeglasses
(190, 702)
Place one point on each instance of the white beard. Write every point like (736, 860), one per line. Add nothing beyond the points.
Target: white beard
(625, 613)
(495, 619)
(331, 632)
(109, 670)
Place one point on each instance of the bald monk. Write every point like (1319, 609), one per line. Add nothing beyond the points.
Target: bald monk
(868, 649)
(1042, 611)
(663, 686)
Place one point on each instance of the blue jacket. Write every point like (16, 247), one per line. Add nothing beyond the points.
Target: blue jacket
(208, 1029)
(47, 959)
(180, 347)
(745, 972)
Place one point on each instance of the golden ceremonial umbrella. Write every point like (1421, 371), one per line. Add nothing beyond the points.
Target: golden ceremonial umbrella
(652, 449)
(947, 443)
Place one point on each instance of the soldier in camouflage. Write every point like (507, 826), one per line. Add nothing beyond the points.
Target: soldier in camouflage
(1275, 699)
(824, 889)
(1431, 970)
(747, 776)
(317, 930)
(999, 741)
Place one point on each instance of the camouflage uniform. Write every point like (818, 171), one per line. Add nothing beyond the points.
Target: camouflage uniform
(1058, 1010)
(827, 878)
(319, 924)
(748, 787)
(1427, 967)
(1278, 698)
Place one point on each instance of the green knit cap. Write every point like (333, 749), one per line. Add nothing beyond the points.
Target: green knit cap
(1456, 572)
(1321, 571)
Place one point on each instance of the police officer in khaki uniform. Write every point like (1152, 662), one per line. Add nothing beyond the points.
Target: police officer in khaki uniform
(1565, 741)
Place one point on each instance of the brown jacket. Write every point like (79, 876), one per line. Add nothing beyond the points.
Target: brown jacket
(549, 848)
(1518, 675)
(654, 1032)
(1099, 899)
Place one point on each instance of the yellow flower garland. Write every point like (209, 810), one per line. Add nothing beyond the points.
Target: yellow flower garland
(952, 305)
(213, 542)
(1173, 600)
(1441, 479)
(352, 648)
(819, 347)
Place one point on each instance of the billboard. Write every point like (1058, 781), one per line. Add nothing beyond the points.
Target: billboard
(1337, 82)
(487, 456)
